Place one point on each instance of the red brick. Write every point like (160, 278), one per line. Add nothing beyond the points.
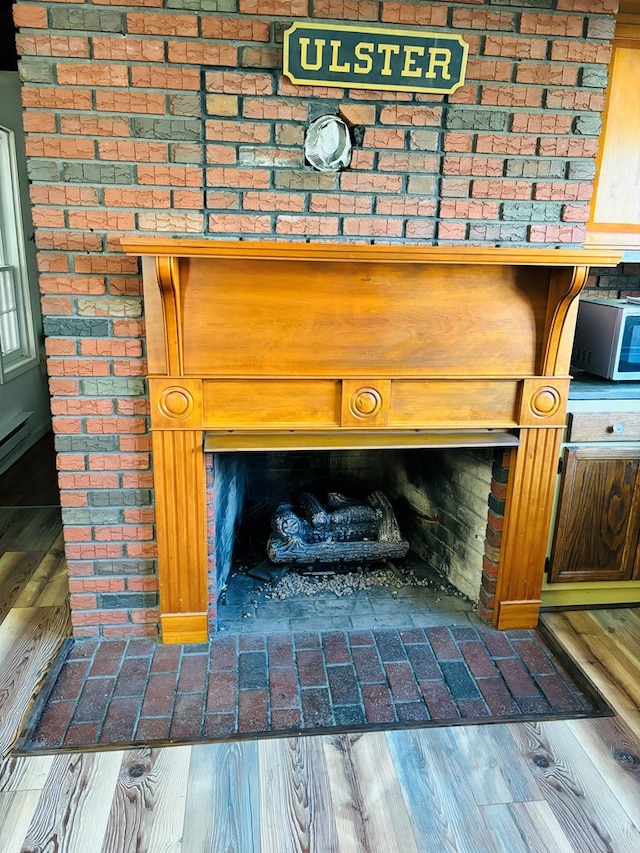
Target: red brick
(568, 147)
(507, 145)
(240, 223)
(501, 189)
(473, 166)
(492, 70)
(157, 77)
(286, 8)
(39, 122)
(172, 176)
(241, 29)
(581, 51)
(229, 177)
(161, 24)
(125, 149)
(412, 115)
(421, 14)
(545, 74)
(575, 213)
(30, 16)
(459, 209)
(85, 286)
(518, 48)
(37, 45)
(239, 82)
(271, 201)
(130, 102)
(553, 25)
(190, 53)
(94, 126)
(466, 19)
(68, 149)
(346, 10)
(92, 74)
(306, 224)
(381, 138)
(57, 97)
(541, 123)
(128, 49)
(512, 96)
(237, 131)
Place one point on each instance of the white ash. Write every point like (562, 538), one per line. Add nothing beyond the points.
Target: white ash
(293, 584)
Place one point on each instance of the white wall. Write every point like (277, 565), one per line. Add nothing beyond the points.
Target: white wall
(27, 392)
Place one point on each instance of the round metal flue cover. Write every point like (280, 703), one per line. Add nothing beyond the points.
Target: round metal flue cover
(327, 144)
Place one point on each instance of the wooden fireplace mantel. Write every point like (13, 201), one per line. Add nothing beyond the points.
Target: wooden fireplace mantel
(251, 342)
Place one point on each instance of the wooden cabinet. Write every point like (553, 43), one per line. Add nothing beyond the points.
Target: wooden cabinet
(598, 518)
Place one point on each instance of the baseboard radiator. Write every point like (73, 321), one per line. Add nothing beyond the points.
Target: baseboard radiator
(13, 433)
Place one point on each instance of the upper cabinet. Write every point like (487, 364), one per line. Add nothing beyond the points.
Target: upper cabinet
(615, 208)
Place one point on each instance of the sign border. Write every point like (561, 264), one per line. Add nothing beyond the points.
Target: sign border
(307, 25)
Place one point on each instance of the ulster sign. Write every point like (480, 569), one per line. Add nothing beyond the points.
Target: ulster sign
(358, 57)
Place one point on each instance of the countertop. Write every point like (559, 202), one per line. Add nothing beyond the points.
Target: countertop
(587, 387)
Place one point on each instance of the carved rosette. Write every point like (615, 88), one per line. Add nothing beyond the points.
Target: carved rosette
(176, 404)
(543, 403)
(365, 403)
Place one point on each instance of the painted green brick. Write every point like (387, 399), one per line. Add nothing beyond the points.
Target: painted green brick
(119, 497)
(128, 600)
(163, 128)
(581, 170)
(588, 125)
(601, 27)
(478, 120)
(35, 71)
(87, 20)
(86, 444)
(594, 77)
(185, 152)
(43, 170)
(72, 515)
(116, 387)
(535, 168)
(98, 173)
(185, 105)
(532, 211)
(497, 232)
(70, 327)
(129, 567)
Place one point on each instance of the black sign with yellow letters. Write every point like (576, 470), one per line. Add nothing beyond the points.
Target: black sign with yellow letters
(357, 57)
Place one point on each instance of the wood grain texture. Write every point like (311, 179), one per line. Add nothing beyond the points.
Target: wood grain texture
(149, 801)
(73, 810)
(598, 519)
(181, 525)
(48, 586)
(604, 426)
(587, 811)
(349, 254)
(295, 813)
(488, 757)
(16, 812)
(600, 658)
(29, 640)
(427, 766)
(223, 808)
(527, 518)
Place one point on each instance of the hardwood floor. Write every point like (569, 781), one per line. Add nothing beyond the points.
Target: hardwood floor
(551, 786)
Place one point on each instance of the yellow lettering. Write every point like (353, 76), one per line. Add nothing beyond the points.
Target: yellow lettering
(304, 54)
(387, 49)
(335, 49)
(410, 51)
(442, 63)
(363, 51)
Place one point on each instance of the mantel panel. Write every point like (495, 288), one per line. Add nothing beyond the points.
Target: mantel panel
(295, 318)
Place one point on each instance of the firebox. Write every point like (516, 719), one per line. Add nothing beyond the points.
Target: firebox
(269, 346)
(447, 505)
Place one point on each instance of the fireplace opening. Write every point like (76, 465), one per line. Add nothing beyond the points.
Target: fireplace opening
(447, 503)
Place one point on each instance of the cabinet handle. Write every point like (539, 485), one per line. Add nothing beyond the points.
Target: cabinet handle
(617, 428)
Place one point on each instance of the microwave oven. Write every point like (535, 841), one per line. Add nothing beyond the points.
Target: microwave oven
(607, 339)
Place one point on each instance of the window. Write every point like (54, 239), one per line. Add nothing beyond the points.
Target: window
(16, 330)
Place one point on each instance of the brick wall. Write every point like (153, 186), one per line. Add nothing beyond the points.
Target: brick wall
(171, 116)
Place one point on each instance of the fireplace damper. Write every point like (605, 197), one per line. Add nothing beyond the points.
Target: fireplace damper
(285, 345)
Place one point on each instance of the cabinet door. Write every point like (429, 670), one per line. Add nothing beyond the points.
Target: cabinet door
(598, 518)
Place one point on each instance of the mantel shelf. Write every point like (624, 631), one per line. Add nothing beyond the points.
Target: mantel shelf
(251, 440)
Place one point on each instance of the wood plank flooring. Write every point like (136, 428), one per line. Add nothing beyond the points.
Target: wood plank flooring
(549, 787)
